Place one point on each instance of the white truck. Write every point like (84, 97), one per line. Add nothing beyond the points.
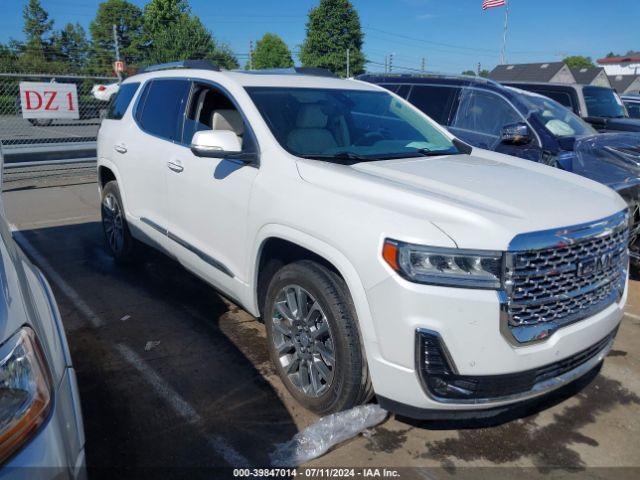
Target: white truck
(384, 255)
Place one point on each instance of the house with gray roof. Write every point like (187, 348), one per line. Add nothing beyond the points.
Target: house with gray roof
(552, 72)
(625, 84)
(591, 76)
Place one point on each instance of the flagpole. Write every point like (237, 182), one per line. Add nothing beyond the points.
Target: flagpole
(503, 53)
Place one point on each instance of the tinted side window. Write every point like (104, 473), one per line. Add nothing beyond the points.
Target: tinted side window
(633, 108)
(435, 101)
(481, 116)
(563, 98)
(119, 104)
(163, 108)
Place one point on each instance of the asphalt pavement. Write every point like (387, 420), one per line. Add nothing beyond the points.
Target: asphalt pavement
(172, 376)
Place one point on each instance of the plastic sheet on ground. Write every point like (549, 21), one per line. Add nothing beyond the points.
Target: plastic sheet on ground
(318, 438)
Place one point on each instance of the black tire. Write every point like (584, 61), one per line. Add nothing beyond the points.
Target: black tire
(40, 122)
(120, 244)
(350, 383)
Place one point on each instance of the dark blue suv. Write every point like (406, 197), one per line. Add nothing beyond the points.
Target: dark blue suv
(515, 122)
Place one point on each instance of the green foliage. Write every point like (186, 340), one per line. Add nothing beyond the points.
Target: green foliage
(578, 61)
(332, 28)
(36, 23)
(271, 52)
(128, 21)
(187, 38)
(484, 73)
(469, 72)
(159, 14)
(70, 45)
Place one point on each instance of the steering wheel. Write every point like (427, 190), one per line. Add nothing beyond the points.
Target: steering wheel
(369, 138)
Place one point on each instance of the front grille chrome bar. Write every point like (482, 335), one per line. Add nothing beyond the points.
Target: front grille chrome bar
(557, 277)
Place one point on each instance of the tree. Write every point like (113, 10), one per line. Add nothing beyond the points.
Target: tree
(160, 14)
(484, 73)
(187, 38)
(578, 61)
(469, 72)
(271, 52)
(36, 24)
(332, 28)
(128, 21)
(70, 45)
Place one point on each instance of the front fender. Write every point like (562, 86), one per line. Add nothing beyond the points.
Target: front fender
(330, 254)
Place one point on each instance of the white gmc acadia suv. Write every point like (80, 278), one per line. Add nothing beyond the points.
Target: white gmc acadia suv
(384, 255)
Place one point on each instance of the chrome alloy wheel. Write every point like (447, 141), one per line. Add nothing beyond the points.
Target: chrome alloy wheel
(302, 339)
(113, 222)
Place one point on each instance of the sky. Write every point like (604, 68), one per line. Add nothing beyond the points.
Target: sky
(452, 35)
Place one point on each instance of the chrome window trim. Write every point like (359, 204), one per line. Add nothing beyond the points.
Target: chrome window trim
(529, 334)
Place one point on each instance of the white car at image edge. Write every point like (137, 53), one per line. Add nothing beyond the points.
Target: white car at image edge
(41, 428)
(385, 256)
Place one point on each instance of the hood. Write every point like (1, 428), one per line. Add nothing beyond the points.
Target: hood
(609, 158)
(622, 124)
(481, 201)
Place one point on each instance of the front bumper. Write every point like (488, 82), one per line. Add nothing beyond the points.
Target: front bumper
(57, 449)
(468, 323)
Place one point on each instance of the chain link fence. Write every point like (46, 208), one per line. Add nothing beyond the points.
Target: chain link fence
(50, 138)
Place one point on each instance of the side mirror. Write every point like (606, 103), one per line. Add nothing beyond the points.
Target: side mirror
(219, 144)
(516, 134)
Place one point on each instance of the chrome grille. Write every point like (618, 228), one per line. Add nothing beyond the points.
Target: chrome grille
(582, 273)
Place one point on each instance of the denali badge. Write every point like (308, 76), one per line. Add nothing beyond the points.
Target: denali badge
(595, 265)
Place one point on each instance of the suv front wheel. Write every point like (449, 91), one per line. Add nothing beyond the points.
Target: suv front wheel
(313, 338)
(119, 241)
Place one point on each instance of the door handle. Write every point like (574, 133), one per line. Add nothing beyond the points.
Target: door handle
(120, 148)
(175, 167)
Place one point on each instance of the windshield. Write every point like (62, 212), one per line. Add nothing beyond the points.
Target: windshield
(347, 125)
(603, 102)
(558, 120)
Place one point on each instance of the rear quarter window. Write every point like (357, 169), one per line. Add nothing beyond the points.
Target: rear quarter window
(119, 104)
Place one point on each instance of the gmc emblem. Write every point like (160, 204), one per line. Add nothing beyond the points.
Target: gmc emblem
(595, 265)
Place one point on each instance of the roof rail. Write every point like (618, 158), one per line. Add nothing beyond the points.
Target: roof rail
(195, 64)
(445, 76)
(313, 71)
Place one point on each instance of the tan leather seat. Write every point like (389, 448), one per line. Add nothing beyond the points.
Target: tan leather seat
(311, 134)
(226, 119)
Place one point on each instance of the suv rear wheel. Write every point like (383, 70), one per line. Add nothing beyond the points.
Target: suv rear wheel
(119, 241)
(313, 338)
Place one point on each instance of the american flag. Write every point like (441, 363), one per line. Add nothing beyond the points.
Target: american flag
(492, 3)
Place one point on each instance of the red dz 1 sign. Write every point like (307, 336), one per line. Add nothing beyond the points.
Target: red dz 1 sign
(49, 100)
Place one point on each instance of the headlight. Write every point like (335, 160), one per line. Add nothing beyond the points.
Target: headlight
(452, 267)
(25, 391)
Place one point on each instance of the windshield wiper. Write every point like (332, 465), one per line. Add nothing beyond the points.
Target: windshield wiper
(434, 153)
(339, 156)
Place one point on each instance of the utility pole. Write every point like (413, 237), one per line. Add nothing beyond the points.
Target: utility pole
(479, 68)
(503, 52)
(250, 54)
(390, 62)
(117, 47)
(348, 51)
(386, 64)
(424, 65)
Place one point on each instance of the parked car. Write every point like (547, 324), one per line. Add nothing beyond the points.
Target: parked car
(384, 254)
(632, 103)
(600, 106)
(104, 92)
(41, 430)
(524, 124)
